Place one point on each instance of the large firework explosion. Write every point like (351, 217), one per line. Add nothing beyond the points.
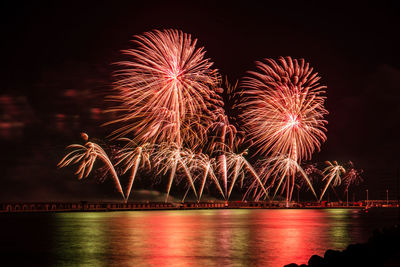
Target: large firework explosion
(283, 112)
(162, 90)
(164, 94)
(172, 111)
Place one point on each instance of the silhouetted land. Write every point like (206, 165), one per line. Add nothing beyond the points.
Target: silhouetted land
(382, 249)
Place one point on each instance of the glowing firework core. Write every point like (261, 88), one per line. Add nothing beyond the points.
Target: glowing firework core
(174, 75)
(292, 122)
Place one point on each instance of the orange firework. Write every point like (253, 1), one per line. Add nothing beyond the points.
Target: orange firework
(283, 111)
(170, 157)
(165, 93)
(203, 166)
(133, 156)
(86, 155)
(163, 89)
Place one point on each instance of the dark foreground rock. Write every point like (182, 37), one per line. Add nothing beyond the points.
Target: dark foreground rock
(381, 250)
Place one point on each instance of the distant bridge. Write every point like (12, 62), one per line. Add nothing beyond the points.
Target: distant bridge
(97, 206)
(80, 206)
(113, 206)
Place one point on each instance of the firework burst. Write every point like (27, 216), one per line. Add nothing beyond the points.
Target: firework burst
(204, 167)
(170, 157)
(352, 176)
(163, 89)
(237, 163)
(165, 93)
(223, 140)
(280, 171)
(169, 101)
(283, 110)
(132, 157)
(87, 155)
(333, 173)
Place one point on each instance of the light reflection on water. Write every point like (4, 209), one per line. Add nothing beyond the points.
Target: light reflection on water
(196, 237)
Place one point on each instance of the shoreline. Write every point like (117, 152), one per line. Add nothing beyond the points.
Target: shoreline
(31, 207)
(381, 249)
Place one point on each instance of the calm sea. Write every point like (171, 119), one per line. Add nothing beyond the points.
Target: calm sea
(182, 238)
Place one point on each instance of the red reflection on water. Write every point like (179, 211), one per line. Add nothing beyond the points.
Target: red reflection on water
(169, 240)
(288, 236)
(223, 237)
(159, 238)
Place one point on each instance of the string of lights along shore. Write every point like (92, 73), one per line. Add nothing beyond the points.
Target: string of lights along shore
(177, 118)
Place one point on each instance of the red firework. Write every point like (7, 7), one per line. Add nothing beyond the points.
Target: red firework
(283, 112)
(284, 108)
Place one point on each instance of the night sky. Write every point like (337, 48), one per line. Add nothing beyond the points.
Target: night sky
(57, 68)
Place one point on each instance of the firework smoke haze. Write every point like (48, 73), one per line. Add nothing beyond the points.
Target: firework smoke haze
(163, 89)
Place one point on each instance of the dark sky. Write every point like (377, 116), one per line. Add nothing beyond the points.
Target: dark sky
(58, 57)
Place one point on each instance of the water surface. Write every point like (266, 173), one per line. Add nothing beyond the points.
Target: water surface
(182, 238)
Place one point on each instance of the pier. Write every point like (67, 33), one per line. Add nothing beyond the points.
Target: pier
(114, 206)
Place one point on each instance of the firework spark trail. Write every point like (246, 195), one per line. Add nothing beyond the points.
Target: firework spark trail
(236, 163)
(206, 167)
(170, 157)
(239, 164)
(224, 135)
(87, 155)
(333, 174)
(283, 111)
(223, 140)
(133, 156)
(280, 170)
